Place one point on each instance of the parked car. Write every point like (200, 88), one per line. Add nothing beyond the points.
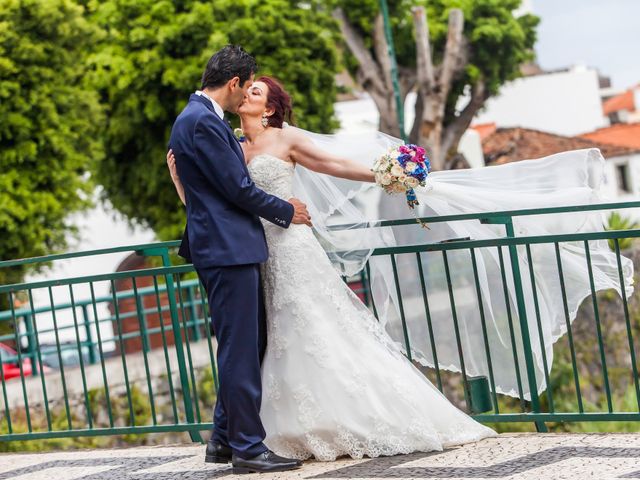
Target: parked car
(10, 365)
(68, 352)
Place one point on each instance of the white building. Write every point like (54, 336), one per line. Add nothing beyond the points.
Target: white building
(566, 103)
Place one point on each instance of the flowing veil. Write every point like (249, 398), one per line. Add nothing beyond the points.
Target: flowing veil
(568, 178)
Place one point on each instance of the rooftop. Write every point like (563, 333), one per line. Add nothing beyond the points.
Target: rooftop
(621, 134)
(624, 101)
(506, 145)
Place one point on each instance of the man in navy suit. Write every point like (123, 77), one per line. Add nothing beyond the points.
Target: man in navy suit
(225, 241)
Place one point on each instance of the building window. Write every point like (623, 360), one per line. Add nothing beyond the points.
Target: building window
(622, 174)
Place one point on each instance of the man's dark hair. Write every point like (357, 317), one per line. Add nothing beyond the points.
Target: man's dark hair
(231, 61)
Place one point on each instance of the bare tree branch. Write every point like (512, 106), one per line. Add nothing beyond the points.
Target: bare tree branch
(455, 129)
(452, 50)
(414, 135)
(424, 60)
(381, 48)
(368, 66)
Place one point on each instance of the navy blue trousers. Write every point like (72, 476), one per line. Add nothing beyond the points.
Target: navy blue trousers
(237, 313)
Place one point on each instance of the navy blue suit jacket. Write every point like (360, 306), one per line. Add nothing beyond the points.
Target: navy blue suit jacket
(223, 203)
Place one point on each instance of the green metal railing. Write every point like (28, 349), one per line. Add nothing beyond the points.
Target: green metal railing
(113, 391)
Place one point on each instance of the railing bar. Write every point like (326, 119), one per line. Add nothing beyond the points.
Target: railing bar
(40, 363)
(7, 410)
(632, 349)
(401, 307)
(188, 343)
(596, 313)
(545, 365)
(576, 379)
(456, 328)
(193, 315)
(485, 336)
(62, 376)
(104, 371)
(373, 302)
(80, 356)
(207, 329)
(88, 253)
(16, 327)
(123, 294)
(506, 241)
(116, 308)
(99, 278)
(427, 310)
(507, 302)
(145, 348)
(166, 353)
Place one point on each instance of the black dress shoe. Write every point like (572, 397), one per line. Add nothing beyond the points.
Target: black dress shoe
(217, 453)
(265, 462)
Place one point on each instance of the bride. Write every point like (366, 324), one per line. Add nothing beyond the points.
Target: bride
(334, 382)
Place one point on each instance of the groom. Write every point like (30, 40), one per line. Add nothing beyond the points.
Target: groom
(225, 241)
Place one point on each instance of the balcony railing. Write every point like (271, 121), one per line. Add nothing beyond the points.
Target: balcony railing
(144, 357)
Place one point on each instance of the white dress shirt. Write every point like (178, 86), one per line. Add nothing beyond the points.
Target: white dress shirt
(216, 107)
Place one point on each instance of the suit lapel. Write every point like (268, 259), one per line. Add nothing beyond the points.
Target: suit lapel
(235, 145)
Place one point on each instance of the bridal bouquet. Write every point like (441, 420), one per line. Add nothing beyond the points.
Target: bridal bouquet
(402, 169)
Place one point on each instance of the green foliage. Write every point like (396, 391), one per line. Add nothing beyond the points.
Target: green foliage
(206, 387)
(499, 42)
(152, 58)
(48, 126)
(615, 221)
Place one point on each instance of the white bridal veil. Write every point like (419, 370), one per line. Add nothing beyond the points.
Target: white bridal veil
(569, 178)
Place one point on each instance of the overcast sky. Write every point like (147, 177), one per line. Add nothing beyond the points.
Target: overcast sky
(599, 33)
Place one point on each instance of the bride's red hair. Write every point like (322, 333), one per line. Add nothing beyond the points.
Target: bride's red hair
(279, 100)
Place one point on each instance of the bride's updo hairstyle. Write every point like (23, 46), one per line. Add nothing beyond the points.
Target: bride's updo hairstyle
(279, 100)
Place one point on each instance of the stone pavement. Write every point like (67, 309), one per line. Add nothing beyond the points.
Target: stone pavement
(509, 457)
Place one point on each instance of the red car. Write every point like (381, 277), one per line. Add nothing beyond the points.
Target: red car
(10, 365)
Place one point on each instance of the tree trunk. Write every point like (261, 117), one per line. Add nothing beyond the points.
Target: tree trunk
(434, 84)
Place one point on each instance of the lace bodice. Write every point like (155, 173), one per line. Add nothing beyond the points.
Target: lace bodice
(273, 175)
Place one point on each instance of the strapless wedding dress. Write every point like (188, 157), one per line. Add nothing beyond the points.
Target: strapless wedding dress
(334, 383)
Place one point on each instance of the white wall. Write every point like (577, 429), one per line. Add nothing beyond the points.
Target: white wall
(565, 103)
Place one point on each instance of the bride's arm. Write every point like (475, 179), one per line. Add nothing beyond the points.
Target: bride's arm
(304, 152)
(171, 163)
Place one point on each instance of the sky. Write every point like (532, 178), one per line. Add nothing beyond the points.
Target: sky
(604, 34)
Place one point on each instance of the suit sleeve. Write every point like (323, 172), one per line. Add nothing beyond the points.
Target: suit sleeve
(226, 174)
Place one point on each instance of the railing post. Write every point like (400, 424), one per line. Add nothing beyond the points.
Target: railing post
(193, 315)
(163, 253)
(31, 345)
(89, 335)
(507, 221)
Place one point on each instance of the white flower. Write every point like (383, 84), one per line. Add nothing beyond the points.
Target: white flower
(411, 182)
(397, 170)
(399, 188)
(385, 179)
(410, 167)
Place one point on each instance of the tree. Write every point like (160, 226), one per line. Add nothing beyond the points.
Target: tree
(48, 126)
(447, 50)
(152, 58)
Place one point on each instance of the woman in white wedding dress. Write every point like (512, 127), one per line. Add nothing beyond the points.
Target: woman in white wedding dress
(334, 382)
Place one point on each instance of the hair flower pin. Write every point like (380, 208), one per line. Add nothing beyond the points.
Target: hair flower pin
(239, 134)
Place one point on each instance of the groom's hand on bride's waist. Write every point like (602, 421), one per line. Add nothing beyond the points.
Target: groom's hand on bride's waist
(300, 213)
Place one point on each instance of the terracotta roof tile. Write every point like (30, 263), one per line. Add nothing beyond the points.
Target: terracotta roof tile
(514, 144)
(622, 134)
(624, 101)
(484, 129)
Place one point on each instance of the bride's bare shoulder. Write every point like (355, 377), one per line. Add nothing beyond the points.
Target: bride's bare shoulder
(293, 136)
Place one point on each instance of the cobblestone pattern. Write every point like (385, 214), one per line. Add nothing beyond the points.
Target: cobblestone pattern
(509, 456)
